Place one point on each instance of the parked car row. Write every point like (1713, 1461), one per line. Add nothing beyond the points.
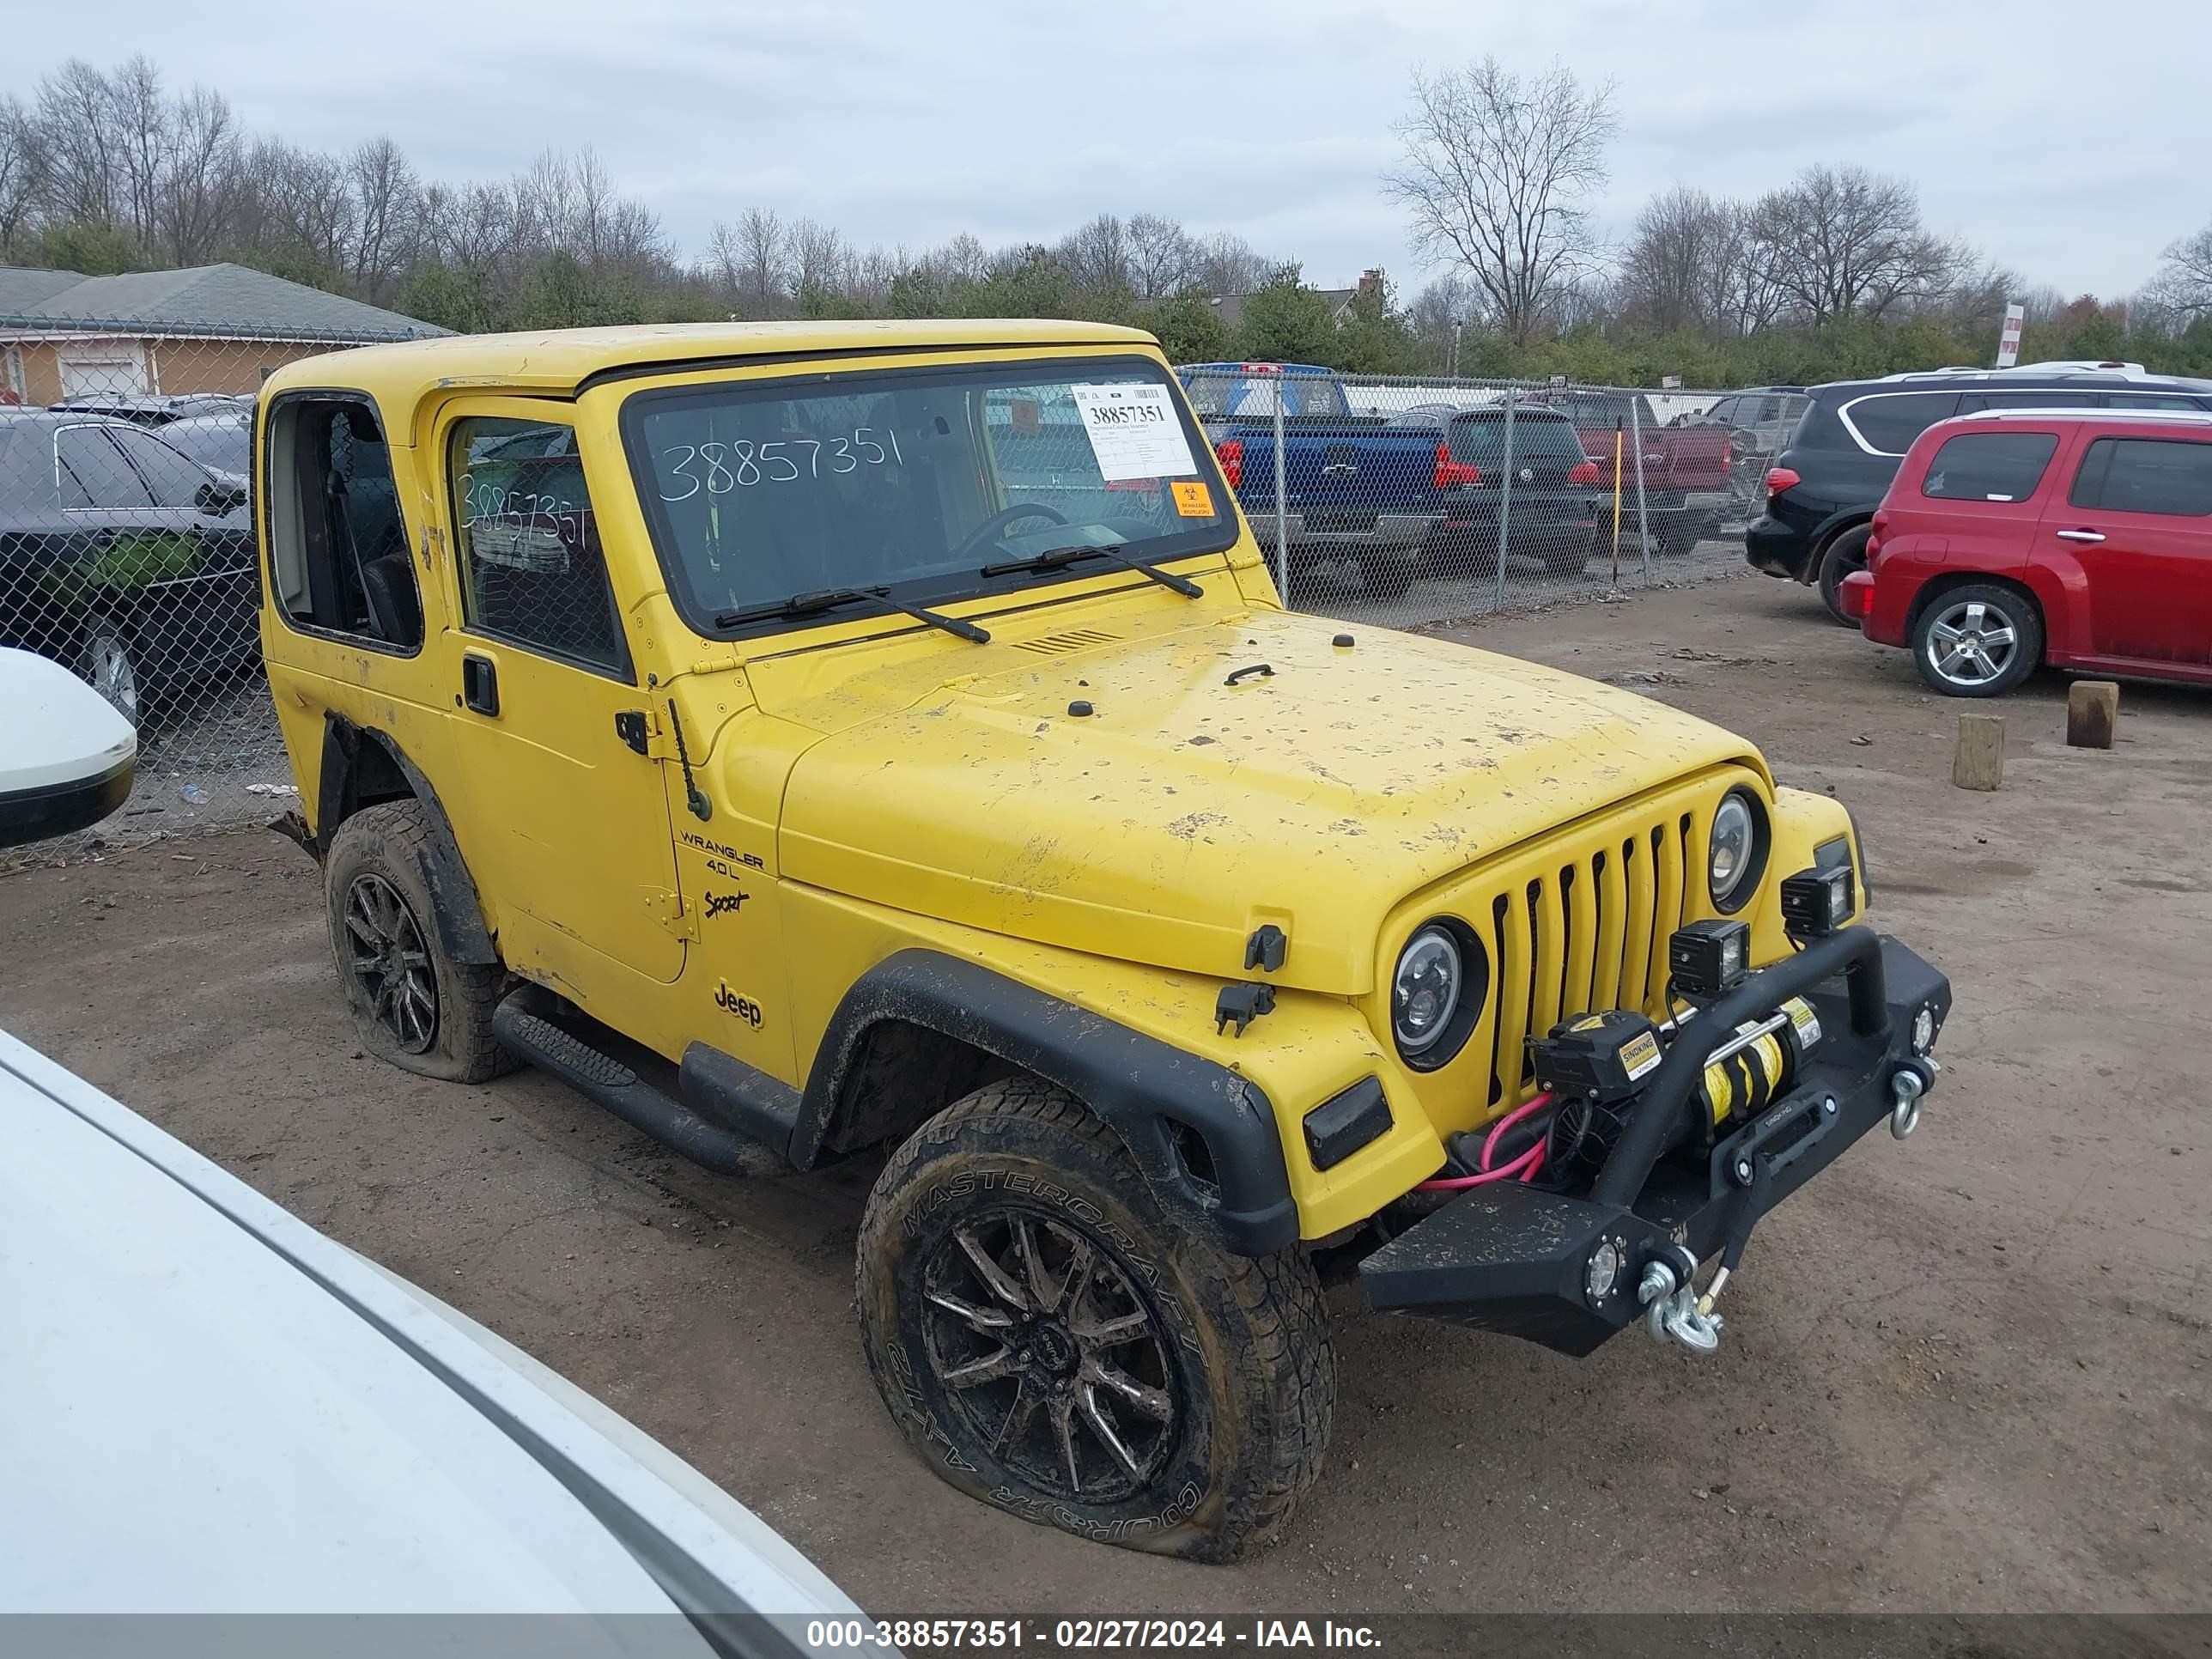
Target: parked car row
(122, 555)
(1995, 520)
(1423, 491)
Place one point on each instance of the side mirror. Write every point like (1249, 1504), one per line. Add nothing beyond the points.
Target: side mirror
(217, 499)
(66, 756)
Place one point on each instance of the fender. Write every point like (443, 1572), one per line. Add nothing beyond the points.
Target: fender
(1140, 1086)
(349, 751)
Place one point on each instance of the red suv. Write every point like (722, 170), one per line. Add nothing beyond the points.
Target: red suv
(2082, 539)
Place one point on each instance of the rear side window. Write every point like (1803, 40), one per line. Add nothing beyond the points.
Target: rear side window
(1975, 400)
(2146, 475)
(532, 573)
(174, 481)
(1887, 422)
(93, 472)
(1989, 466)
(338, 559)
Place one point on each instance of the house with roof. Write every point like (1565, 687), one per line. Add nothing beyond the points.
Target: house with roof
(211, 328)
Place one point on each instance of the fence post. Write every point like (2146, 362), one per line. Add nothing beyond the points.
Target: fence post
(1282, 500)
(1643, 513)
(1505, 501)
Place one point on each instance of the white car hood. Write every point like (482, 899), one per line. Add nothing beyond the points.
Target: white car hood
(209, 1406)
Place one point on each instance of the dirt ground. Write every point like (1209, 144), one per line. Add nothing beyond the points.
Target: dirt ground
(1969, 1372)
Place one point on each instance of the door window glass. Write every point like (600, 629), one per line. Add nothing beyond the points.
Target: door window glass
(2146, 475)
(94, 473)
(173, 481)
(532, 569)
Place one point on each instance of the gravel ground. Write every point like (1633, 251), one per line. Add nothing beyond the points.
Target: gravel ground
(1969, 1372)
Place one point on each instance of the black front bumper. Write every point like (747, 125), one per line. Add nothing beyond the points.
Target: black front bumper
(1512, 1258)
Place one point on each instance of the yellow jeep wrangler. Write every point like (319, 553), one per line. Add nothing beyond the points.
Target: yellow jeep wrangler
(837, 740)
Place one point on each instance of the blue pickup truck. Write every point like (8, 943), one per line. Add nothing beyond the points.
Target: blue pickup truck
(1355, 487)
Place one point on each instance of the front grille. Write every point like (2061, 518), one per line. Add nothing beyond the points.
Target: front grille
(1583, 935)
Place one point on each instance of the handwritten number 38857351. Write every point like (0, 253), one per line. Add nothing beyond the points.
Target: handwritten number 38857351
(718, 468)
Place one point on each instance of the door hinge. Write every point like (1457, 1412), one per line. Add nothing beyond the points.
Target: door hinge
(630, 727)
(672, 913)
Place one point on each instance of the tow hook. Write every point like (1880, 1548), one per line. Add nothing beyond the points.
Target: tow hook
(1672, 1307)
(1907, 1086)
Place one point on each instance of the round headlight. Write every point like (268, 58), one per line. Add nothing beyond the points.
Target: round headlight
(1735, 851)
(1424, 992)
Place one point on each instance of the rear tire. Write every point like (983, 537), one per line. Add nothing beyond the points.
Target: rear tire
(1679, 533)
(107, 661)
(1569, 559)
(1387, 575)
(1107, 1372)
(1845, 554)
(1977, 641)
(411, 1004)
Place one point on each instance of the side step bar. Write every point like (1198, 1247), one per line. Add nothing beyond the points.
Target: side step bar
(521, 1022)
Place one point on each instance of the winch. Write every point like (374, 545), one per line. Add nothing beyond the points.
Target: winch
(1595, 1068)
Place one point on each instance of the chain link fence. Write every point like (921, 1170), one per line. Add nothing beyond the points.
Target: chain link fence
(1405, 499)
(127, 553)
(127, 549)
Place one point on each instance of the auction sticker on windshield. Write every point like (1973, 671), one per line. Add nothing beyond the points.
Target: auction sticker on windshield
(1134, 431)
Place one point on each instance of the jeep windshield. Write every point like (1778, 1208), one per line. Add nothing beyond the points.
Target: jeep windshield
(908, 482)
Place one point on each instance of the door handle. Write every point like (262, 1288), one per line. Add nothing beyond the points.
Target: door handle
(480, 684)
(2078, 536)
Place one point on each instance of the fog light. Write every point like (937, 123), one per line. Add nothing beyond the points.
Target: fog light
(1923, 1030)
(1707, 958)
(1816, 902)
(1603, 1270)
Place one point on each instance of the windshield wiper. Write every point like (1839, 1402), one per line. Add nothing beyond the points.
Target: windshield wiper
(1059, 558)
(827, 598)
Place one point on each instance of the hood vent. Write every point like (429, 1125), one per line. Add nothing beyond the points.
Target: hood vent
(1052, 645)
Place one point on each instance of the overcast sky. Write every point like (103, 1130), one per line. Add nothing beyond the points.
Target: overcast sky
(2065, 139)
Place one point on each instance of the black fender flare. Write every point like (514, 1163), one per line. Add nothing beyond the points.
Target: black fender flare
(1139, 1086)
(459, 918)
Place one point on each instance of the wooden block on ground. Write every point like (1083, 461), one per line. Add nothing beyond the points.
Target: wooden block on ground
(2092, 714)
(1979, 762)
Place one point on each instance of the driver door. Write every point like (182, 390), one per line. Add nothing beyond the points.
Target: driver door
(570, 817)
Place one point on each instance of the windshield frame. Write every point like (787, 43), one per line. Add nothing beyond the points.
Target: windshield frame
(946, 588)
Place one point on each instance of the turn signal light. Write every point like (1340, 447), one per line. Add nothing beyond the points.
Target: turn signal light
(1229, 452)
(1780, 478)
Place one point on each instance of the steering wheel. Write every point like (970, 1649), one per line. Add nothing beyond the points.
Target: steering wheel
(989, 529)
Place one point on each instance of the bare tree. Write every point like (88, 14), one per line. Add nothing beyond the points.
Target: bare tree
(384, 194)
(763, 259)
(76, 117)
(1162, 257)
(820, 259)
(1096, 254)
(1438, 316)
(145, 142)
(1497, 171)
(1842, 242)
(199, 192)
(20, 169)
(1225, 264)
(2181, 292)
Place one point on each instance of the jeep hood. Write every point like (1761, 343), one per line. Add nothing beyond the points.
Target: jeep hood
(1183, 812)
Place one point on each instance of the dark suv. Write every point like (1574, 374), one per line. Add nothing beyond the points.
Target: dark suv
(1828, 479)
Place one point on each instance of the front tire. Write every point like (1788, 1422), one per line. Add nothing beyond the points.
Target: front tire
(412, 1003)
(1050, 1342)
(1845, 554)
(1977, 641)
